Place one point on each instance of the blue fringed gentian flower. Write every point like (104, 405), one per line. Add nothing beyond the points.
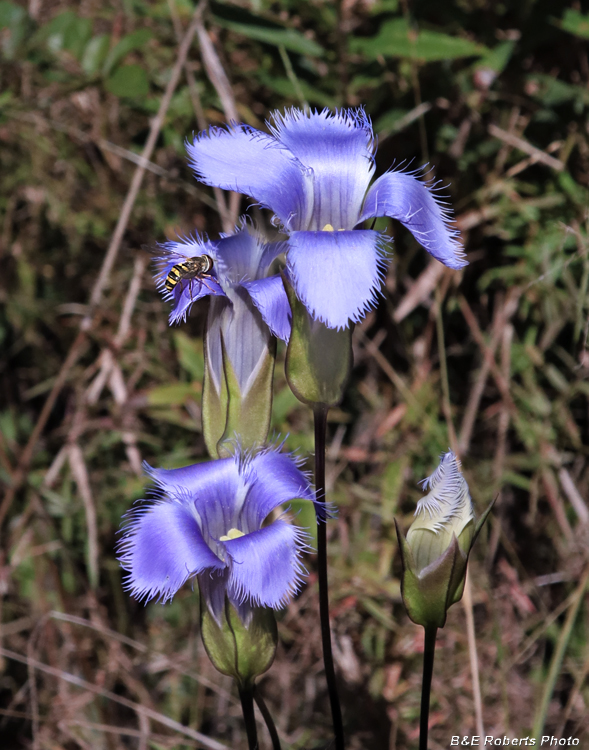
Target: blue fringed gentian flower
(248, 308)
(239, 274)
(313, 171)
(210, 521)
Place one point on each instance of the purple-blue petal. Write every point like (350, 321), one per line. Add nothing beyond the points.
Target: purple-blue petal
(275, 479)
(212, 586)
(186, 293)
(402, 196)
(219, 508)
(239, 256)
(248, 161)
(265, 566)
(338, 148)
(162, 548)
(271, 251)
(197, 478)
(269, 297)
(337, 275)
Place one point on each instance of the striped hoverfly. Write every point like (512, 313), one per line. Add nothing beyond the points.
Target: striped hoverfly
(198, 268)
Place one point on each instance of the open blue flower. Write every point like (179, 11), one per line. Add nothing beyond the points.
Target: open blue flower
(313, 171)
(240, 263)
(248, 307)
(210, 520)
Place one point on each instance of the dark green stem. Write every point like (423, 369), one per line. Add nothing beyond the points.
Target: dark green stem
(271, 726)
(246, 695)
(429, 650)
(320, 416)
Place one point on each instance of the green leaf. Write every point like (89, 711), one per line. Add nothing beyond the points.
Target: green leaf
(66, 32)
(94, 54)
(290, 39)
(128, 80)
(497, 58)
(575, 23)
(10, 14)
(553, 92)
(190, 354)
(383, 6)
(397, 39)
(173, 394)
(286, 89)
(13, 18)
(136, 40)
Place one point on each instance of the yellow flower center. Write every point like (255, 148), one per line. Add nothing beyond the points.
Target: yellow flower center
(329, 228)
(231, 534)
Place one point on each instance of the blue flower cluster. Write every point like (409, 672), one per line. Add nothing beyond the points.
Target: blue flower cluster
(215, 521)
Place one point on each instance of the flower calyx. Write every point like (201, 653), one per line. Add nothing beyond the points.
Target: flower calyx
(241, 648)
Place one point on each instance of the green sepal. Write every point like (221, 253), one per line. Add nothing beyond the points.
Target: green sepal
(229, 414)
(318, 358)
(480, 523)
(241, 651)
(214, 407)
(428, 594)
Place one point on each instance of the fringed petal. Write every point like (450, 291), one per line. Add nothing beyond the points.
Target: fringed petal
(338, 148)
(265, 566)
(239, 256)
(274, 479)
(197, 479)
(162, 548)
(248, 161)
(269, 297)
(337, 275)
(402, 196)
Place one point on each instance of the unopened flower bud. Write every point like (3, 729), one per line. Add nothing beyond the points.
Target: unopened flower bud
(435, 552)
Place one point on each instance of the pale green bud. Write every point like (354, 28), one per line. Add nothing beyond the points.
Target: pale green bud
(435, 552)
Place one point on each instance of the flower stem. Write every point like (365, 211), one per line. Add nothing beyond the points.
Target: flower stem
(270, 725)
(320, 418)
(246, 695)
(429, 650)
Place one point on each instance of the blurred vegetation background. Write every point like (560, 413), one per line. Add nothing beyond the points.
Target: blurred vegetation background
(96, 100)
